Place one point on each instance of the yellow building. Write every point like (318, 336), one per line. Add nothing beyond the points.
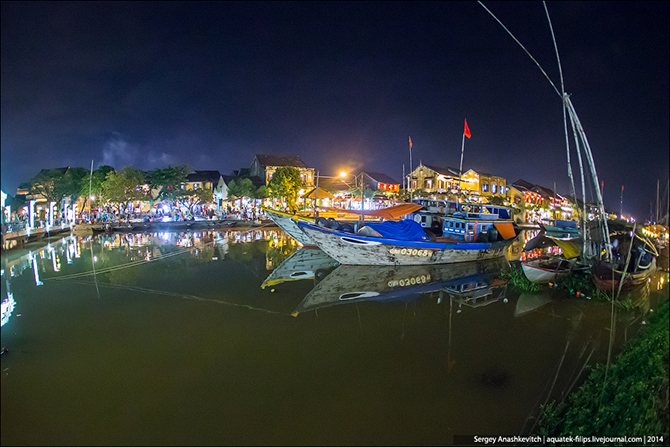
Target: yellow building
(263, 166)
(434, 179)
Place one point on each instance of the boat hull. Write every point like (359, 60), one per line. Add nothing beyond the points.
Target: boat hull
(539, 272)
(350, 249)
(289, 225)
(608, 280)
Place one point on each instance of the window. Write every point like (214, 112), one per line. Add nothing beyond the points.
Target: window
(494, 187)
(485, 186)
(502, 189)
(196, 185)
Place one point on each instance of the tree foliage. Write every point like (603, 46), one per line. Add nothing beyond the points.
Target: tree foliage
(497, 200)
(243, 187)
(192, 197)
(93, 185)
(125, 186)
(54, 186)
(285, 183)
(169, 182)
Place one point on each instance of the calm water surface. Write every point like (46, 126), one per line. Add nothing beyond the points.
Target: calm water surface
(243, 338)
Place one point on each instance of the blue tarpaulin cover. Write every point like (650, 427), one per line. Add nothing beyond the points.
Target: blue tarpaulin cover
(404, 230)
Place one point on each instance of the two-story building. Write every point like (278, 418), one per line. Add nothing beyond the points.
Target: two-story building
(541, 202)
(483, 184)
(211, 180)
(439, 180)
(263, 166)
(434, 179)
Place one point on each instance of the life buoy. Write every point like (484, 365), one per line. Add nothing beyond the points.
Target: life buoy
(417, 218)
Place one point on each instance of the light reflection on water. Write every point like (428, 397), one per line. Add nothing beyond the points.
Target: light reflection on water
(239, 337)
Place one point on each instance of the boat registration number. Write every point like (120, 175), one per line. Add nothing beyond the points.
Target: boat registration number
(410, 252)
(409, 281)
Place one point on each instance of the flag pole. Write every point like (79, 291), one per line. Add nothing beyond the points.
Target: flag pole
(409, 179)
(460, 170)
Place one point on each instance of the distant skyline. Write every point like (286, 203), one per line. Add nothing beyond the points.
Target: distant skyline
(342, 85)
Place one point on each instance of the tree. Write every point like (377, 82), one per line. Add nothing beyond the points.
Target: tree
(169, 181)
(497, 200)
(95, 182)
(285, 184)
(193, 197)
(262, 192)
(125, 186)
(53, 185)
(243, 187)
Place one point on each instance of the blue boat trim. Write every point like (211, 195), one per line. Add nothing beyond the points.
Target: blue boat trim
(413, 244)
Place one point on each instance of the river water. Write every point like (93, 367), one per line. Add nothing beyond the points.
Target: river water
(243, 338)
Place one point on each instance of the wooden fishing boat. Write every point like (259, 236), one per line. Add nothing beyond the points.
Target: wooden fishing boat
(289, 222)
(561, 228)
(632, 252)
(546, 269)
(306, 263)
(289, 225)
(347, 283)
(406, 243)
(607, 277)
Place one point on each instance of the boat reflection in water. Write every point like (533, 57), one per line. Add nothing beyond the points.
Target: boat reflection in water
(306, 263)
(471, 283)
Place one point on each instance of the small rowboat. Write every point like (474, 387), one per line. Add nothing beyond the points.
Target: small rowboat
(545, 269)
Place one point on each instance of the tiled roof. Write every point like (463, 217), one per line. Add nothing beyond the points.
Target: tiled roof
(204, 176)
(446, 171)
(523, 185)
(280, 160)
(379, 177)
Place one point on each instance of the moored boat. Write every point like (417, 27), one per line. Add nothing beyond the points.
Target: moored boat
(561, 228)
(608, 278)
(406, 243)
(289, 222)
(289, 225)
(546, 269)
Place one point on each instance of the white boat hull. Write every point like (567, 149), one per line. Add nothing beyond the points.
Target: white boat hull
(289, 225)
(540, 275)
(350, 249)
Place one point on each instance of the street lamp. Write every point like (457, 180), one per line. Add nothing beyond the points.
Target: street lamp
(316, 190)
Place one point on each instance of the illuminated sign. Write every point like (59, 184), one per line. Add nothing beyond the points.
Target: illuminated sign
(388, 187)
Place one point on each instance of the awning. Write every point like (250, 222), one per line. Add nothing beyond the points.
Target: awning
(506, 229)
(320, 195)
(390, 213)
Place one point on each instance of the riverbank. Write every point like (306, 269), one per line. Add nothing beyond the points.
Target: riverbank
(634, 401)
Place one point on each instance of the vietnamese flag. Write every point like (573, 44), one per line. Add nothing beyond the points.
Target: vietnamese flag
(466, 132)
(410, 142)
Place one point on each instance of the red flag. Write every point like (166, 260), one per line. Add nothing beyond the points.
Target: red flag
(410, 142)
(466, 132)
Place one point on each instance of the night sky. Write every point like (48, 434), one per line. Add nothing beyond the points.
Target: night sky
(342, 85)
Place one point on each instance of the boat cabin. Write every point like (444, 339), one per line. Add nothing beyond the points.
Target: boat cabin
(447, 208)
(470, 227)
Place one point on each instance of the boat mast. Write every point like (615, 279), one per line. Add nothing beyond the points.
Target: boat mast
(90, 192)
(658, 184)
